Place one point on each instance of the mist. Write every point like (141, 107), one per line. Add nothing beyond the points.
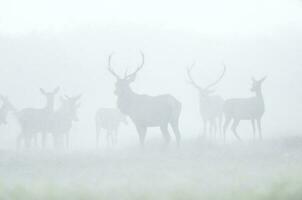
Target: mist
(66, 45)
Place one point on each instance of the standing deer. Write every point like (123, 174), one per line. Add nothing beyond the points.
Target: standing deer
(36, 120)
(109, 119)
(210, 106)
(246, 109)
(5, 108)
(144, 110)
(62, 120)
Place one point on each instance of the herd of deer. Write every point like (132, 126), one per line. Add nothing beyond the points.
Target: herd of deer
(144, 111)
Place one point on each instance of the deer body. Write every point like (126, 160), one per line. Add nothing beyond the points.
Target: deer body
(251, 109)
(109, 119)
(62, 120)
(36, 120)
(147, 111)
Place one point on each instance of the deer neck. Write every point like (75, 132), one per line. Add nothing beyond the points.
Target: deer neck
(49, 106)
(125, 101)
(260, 98)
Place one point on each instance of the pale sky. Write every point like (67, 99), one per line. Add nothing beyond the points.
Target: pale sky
(208, 17)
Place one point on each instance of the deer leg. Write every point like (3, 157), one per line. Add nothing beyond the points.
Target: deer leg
(175, 128)
(97, 138)
(67, 140)
(225, 127)
(142, 134)
(259, 128)
(254, 128)
(220, 125)
(115, 136)
(166, 134)
(43, 140)
(19, 138)
(108, 138)
(205, 127)
(214, 128)
(234, 128)
(27, 140)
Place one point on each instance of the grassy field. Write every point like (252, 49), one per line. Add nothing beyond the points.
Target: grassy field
(198, 170)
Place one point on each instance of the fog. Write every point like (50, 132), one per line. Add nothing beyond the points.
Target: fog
(66, 44)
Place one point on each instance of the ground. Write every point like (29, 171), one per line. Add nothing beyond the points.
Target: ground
(269, 169)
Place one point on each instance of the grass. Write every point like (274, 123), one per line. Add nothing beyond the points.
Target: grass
(257, 171)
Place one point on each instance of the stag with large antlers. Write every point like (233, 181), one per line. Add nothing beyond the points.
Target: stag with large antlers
(210, 106)
(144, 110)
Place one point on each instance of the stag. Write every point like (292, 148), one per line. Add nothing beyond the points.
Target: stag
(36, 120)
(210, 106)
(144, 110)
(5, 109)
(110, 120)
(62, 120)
(251, 109)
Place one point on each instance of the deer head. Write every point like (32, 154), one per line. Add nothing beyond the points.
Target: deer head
(204, 91)
(122, 85)
(70, 106)
(50, 97)
(7, 104)
(257, 84)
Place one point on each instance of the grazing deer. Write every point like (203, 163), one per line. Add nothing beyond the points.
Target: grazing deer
(210, 106)
(5, 108)
(245, 109)
(144, 110)
(36, 120)
(62, 120)
(109, 119)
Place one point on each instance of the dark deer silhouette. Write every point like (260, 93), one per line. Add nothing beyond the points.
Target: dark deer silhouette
(246, 109)
(144, 110)
(36, 120)
(110, 120)
(62, 120)
(210, 106)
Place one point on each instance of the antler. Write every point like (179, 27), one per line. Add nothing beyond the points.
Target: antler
(191, 81)
(133, 74)
(220, 77)
(110, 67)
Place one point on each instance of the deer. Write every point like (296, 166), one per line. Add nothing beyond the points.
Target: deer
(210, 106)
(62, 120)
(146, 111)
(251, 109)
(5, 109)
(110, 120)
(36, 120)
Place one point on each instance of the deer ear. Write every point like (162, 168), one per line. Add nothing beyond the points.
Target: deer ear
(131, 78)
(263, 79)
(56, 90)
(42, 91)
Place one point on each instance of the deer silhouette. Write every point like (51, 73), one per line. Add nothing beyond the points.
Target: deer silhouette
(144, 110)
(210, 106)
(36, 120)
(5, 109)
(251, 109)
(109, 119)
(62, 120)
